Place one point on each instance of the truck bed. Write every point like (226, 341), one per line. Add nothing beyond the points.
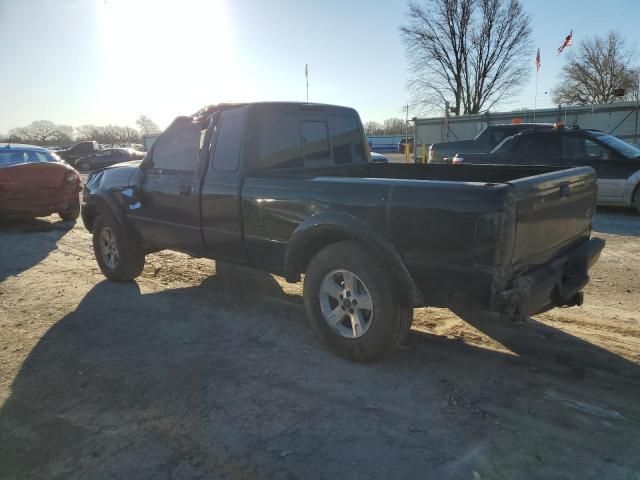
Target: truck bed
(436, 172)
(464, 231)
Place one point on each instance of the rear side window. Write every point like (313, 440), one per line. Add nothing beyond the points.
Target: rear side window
(540, 150)
(279, 143)
(178, 148)
(315, 142)
(498, 135)
(346, 139)
(226, 155)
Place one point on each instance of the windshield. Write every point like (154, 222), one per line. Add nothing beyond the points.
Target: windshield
(625, 149)
(15, 157)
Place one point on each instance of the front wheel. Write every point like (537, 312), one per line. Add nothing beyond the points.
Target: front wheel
(349, 300)
(120, 259)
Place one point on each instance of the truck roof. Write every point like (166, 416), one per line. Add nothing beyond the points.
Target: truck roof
(271, 105)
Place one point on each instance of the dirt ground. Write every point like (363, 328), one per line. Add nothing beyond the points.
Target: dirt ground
(200, 371)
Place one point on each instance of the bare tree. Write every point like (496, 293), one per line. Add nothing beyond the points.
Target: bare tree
(469, 52)
(373, 128)
(146, 125)
(108, 134)
(64, 134)
(594, 72)
(39, 131)
(393, 126)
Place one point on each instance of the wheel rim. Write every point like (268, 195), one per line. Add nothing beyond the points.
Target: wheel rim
(109, 248)
(346, 303)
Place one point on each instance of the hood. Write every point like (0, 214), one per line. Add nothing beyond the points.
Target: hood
(120, 174)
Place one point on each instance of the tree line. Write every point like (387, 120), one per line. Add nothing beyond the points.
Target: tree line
(472, 54)
(391, 126)
(45, 132)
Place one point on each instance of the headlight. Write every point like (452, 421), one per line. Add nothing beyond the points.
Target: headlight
(72, 178)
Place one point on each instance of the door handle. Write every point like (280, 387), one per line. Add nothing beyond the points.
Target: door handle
(185, 190)
(565, 190)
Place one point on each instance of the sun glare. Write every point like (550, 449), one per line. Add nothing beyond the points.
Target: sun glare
(166, 58)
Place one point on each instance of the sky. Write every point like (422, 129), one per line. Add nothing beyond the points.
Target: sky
(78, 62)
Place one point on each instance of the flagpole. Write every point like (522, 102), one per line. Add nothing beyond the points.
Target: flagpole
(535, 98)
(306, 74)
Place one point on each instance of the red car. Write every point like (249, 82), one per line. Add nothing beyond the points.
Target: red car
(34, 182)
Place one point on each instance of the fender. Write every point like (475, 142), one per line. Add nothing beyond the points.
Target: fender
(632, 188)
(103, 201)
(322, 229)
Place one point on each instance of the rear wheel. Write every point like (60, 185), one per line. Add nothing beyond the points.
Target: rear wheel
(73, 210)
(120, 258)
(349, 300)
(84, 166)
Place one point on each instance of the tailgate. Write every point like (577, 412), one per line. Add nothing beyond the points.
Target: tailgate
(554, 213)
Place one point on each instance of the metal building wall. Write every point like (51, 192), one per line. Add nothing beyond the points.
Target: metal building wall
(619, 119)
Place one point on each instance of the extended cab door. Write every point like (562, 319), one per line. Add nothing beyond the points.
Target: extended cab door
(222, 187)
(168, 214)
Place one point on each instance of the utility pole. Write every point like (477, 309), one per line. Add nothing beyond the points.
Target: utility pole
(446, 121)
(406, 132)
(306, 75)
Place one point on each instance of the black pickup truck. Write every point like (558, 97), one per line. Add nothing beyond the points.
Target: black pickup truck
(288, 188)
(485, 141)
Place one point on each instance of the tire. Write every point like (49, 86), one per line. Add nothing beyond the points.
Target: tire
(120, 257)
(382, 327)
(636, 200)
(84, 166)
(73, 210)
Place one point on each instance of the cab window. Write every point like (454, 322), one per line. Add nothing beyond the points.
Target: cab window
(315, 143)
(178, 148)
(226, 155)
(540, 150)
(346, 139)
(279, 141)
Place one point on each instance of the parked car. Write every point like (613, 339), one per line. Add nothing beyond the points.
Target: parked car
(34, 182)
(378, 158)
(616, 162)
(403, 143)
(484, 142)
(81, 149)
(109, 156)
(287, 188)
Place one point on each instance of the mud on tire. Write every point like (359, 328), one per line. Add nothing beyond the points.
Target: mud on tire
(385, 324)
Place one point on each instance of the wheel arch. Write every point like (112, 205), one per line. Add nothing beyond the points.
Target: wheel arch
(100, 203)
(322, 230)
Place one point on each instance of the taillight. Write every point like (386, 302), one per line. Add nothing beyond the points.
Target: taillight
(72, 178)
(457, 160)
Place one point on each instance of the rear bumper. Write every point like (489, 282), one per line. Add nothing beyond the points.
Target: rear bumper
(555, 284)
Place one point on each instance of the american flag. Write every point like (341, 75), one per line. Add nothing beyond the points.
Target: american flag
(538, 61)
(568, 41)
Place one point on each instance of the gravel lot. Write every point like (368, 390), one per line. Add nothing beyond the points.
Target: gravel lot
(201, 371)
